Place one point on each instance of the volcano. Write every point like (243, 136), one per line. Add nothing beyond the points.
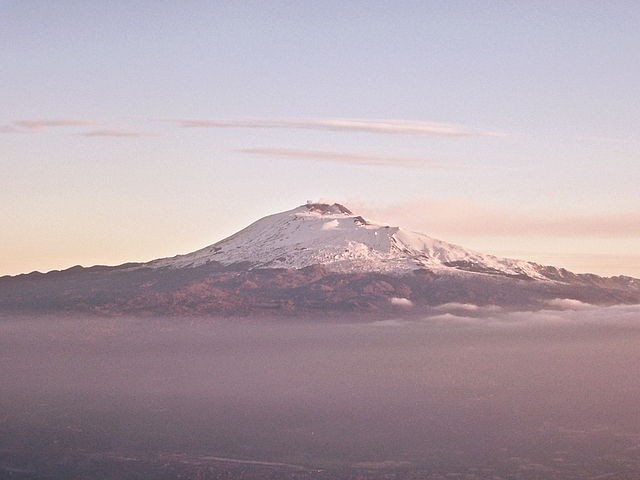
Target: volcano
(316, 259)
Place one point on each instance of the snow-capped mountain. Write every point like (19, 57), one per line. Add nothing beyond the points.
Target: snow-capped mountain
(333, 236)
(317, 260)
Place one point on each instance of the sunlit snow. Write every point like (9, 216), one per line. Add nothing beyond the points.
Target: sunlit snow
(333, 236)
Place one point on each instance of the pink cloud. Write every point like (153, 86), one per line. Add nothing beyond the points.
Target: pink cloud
(380, 126)
(346, 158)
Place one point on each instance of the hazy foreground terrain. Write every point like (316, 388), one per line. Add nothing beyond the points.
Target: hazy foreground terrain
(550, 395)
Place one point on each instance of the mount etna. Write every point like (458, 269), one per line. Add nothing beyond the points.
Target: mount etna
(315, 259)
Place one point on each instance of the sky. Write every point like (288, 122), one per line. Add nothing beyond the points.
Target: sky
(132, 130)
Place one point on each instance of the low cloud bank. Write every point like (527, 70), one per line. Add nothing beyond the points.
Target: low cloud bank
(568, 304)
(560, 312)
(402, 302)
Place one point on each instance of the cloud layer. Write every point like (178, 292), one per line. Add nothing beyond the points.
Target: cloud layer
(463, 217)
(346, 158)
(380, 126)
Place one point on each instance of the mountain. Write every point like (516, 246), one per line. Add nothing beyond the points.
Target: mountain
(314, 259)
(333, 236)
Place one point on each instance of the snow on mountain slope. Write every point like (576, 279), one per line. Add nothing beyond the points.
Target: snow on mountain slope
(333, 236)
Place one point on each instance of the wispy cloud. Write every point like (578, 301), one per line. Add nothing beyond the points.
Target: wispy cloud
(118, 133)
(32, 126)
(346, 158)
(380, 126)
(59, 122)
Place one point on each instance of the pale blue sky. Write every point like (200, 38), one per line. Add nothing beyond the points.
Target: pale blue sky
(559, 82)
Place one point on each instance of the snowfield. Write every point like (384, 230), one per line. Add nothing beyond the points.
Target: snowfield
(335, 237)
